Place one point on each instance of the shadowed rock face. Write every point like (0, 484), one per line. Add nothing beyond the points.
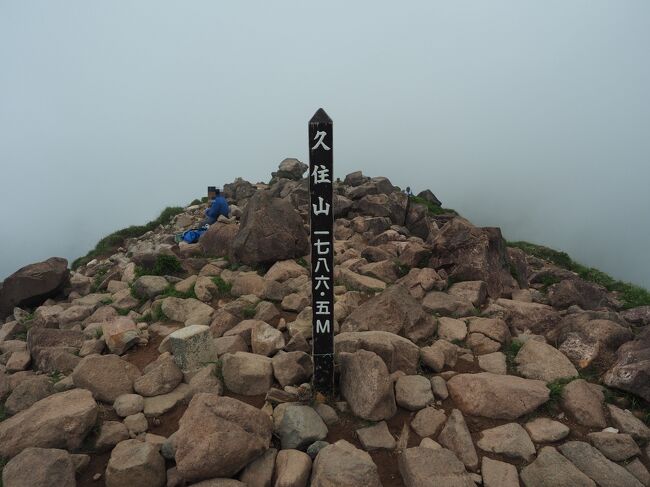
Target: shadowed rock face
(470, 253)
(33, 284)
(631, 372)
(271, 230)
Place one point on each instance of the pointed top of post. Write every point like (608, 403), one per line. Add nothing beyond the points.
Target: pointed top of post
(320, 117)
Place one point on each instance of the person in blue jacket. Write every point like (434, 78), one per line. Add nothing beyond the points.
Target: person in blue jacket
(218, 207)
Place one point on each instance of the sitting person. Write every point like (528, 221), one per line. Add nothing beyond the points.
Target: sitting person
(218, 207)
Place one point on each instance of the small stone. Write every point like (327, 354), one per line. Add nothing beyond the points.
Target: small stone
(451, 329)
(128, 404)
(498, 474)
(298, 426)
(510, 440)
(439, 387)
(615, 446)
(413, 392)
(327, 414)
(543, 430)
(135, 462)
(376, 437)
(136, 424)
(292, 469)
(315, 447)
(456, 437)
(626, 422)
(429, 443)
(494, 362)
(192, 346)
(428, 421)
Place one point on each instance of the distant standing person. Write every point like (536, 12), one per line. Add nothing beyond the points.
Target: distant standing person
(218, 207)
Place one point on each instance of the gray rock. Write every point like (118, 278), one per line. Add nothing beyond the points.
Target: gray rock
(426, 467)
(585, 403)
(40, 467)
(28, 392)
(428, 421)
(639, 470)
(292, 368)
(135, 462)
(160, 377)
(110, 434)
(498, 474)
(315, 447)
(510, 440)
(106, 376)
(150, 286)
(594, 464)
(292, 469)
(615, 446)
(259, 472)
(128, 404)
(494, 362)
(537, 360)
(159, 405)
(376, 437)
(413, 392)
(298, 426)
(456, 437)
(343, 465)
(439, 387)
(543, 430)
(247, 373)
(626, 422)
(551, 469)
(192, 347)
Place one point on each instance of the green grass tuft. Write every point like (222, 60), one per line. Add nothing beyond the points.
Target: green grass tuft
(433, 209)
(302, 262)
(631, 295)
(222, 286)
(110, 243)
(511, 352)
(248, 312)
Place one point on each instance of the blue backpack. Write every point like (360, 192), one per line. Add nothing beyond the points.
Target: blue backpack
(192, 236)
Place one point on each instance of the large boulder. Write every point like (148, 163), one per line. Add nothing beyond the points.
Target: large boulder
(366, 385)
(271, 230)
(291, 168)
(398, 353)
(106, 376)
(395, 311)
(45, 343)
(218, 240)
(29, 286)
(246, 373)
(538, 360)
(576, 291)
(631, 371)
(469, 253)
(343, 465)
(218, 436)
(59, 421)
(40, 467)
(490, 395)
(551, 468)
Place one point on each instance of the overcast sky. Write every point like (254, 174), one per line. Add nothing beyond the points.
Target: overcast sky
(531, 116)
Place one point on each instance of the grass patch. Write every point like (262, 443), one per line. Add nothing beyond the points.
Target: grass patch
(548, 280)
(55, 376)
(145, 318)
(556, 388)
(122, 311)
(402, 269)
(195, 202)
(223, 287)
(511, 352)
(431, 208)
(631, 295)
(106, 301)
(302, 262)
(110, 243)
(157, 314)
(171, 292)
(248, 312)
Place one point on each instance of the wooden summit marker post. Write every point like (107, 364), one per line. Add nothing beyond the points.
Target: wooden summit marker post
(322, 250)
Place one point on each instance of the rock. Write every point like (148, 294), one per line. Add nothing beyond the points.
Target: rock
(427, 467)
(159, 405)
(358, 282)
(428, 422)
(160, 377)
(615, 446)
(429, 443)
(532, 317)
(510, 440)
(186, 285)
(385, 270)
(219, 483)
(398, 353)
(413, 392)
(249, 283)
(192, 347)
(451, 329)
(639, 470)
(292, 368)
(59, 421)
(218, 436)
(284, 270)
(343, 465)
(576, 291)
(638, 316)
(229, 344)
(592, 463)
(327, 414)
(537, 360)
(482, 345)
(247, 373)
(206, 380)
(446, 305)
(292, 469)
(135, 462)
(31, 285)
(270, 230)
(43, 343)
(18, 361)
(28, 392)
(295, 302)
(544, 430)
(494, 328)
(552, 469)
(40, 467)
(120, 334)
(433, 357)
(456, 437)
(490, 395)
(205, 289)
(188, 311)
(470, 253)
(150, 286)
(585, 403)
(219, 239)
(259, 472)
(365, 384)
(128, 404)
(473, 291)
(106, 376)
(376, 437)
(298, 426)
(291, 169)
(136, 424)
(631, 371)
(395, 311)
(498, 474)
(626, 422)
(266, 340)
(494, 362)
(110, 434)
(439, 387)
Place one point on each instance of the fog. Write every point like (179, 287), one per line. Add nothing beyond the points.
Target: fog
(530, 116)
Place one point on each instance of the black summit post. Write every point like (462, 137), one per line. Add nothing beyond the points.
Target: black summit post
(321, 174)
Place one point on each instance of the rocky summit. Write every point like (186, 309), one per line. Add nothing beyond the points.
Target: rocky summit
(460, 359)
